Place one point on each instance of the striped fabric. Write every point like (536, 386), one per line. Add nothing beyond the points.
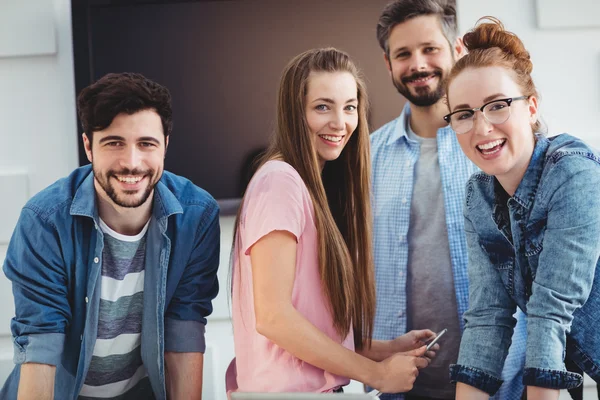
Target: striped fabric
(116, 370)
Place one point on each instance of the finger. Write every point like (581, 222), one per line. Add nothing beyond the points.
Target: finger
(421, 362)
(417, 352)
(423, 334)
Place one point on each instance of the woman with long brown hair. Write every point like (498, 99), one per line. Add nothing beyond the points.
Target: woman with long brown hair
(303, 288)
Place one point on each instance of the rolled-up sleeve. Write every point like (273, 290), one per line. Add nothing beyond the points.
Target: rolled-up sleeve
(192, 302)
(489, 322)
(36, 269)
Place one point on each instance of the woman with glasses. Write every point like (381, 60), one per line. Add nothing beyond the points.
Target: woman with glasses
(532, 220)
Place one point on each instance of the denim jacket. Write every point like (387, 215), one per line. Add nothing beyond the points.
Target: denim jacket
(54, 261)
(538, 250)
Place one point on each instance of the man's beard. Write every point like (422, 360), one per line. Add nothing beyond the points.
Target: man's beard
(126, 201)
(425, 97)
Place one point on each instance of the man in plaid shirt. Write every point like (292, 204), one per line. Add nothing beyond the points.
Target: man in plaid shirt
(419, 177)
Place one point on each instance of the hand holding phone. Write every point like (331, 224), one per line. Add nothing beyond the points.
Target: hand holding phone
(434, 340)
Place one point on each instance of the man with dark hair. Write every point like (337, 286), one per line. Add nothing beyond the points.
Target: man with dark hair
(114, 267)
(419, 177)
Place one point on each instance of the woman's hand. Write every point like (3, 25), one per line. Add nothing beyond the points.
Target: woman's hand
(413, 340)
(398, 372)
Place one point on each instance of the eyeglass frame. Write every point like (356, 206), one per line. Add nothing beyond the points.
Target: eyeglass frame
(508, 101)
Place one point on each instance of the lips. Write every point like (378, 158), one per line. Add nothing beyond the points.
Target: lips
(420, 77)
(129, 179)
(332, 138)
(421, 80)
(491, 146)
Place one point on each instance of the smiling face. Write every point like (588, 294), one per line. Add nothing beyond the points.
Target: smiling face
(128, 158)
(502, 150)
(420, 57)
(331, 112)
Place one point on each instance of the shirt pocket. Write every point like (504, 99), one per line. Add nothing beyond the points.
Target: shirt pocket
(502, 257)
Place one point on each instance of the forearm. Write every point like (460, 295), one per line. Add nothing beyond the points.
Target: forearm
(466, 392)
(36, 382)
(184, 375)
(378, 351)
(538, 393)
(291, 331)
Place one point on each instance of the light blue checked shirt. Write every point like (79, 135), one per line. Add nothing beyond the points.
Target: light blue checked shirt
(393, 161)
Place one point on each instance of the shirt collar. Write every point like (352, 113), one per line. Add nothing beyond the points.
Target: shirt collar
(402, 122)
(400, 128)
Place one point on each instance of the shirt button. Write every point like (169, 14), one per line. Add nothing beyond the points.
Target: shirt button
(400, 313)
(401, 274)
(404, 200)
(408, 164)
(96, 260)
(401, 238)
(81, 337)
(96, 226)
(86, 299)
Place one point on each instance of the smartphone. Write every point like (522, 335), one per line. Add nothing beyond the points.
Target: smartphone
(434, 341)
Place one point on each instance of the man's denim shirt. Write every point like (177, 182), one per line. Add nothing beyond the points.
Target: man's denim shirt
(54, 262)
(538, 250)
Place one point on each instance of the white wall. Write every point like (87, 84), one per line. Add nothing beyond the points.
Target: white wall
(37, 118)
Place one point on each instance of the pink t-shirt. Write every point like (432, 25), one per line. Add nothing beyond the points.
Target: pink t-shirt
(277, 199)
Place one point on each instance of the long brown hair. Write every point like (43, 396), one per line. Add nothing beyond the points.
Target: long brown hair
(340, 193)
(490, 45)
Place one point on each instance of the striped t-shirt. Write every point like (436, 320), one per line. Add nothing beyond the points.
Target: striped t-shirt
(116, 370)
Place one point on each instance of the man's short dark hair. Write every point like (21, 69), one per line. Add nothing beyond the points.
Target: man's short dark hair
(400, 11)
(113, 94)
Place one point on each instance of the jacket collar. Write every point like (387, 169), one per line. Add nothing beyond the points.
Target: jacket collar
(527, 188)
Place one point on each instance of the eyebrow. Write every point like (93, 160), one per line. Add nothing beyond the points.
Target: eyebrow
(110, 138)
(331, 101)
(424, 44)
(148, 139)
(487, 99)
(121, 138)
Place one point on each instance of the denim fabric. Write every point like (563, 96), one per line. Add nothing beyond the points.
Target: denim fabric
(54, 261)
(393, 159)
(538, 250)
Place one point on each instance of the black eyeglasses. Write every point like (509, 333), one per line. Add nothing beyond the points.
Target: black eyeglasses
(495, 112)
